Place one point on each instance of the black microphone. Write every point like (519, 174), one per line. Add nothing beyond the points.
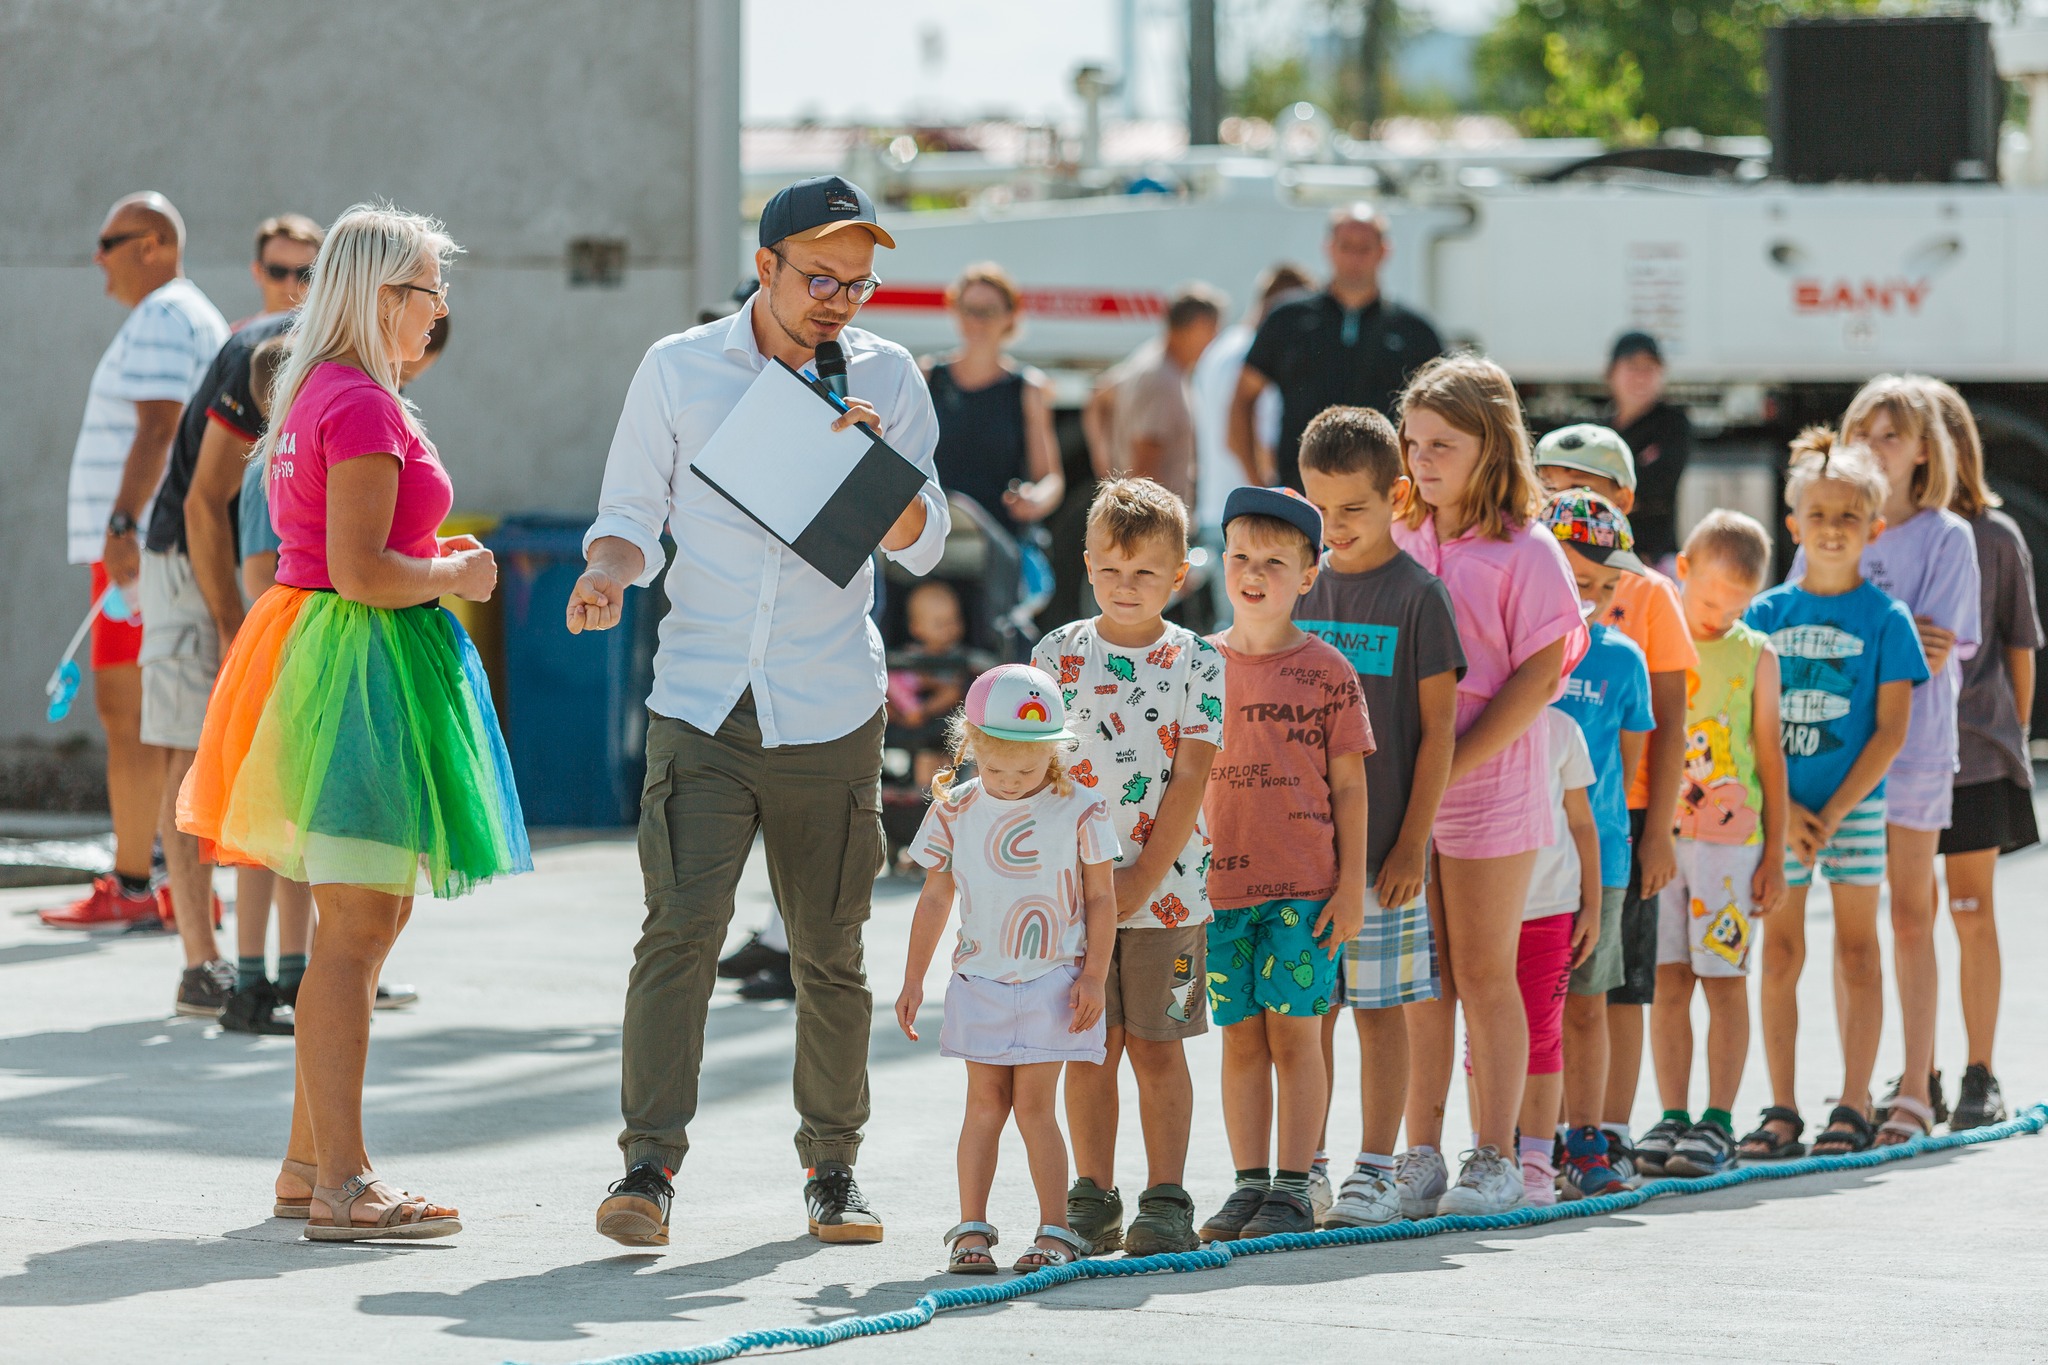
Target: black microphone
(832, 367)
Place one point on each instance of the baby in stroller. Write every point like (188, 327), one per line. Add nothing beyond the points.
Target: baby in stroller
(930, 676)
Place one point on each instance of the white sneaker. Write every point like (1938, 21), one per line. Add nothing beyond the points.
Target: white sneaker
(1420, 1179)
(1539, 1182)
(1320, 1197)
(1487, 1183)
(1366, 1201)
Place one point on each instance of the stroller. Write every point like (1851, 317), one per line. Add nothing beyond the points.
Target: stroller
(998, 594)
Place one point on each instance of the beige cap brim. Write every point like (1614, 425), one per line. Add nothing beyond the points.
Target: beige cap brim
(882, 238)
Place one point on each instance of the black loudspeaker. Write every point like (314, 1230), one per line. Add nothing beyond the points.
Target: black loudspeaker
(1884, 99)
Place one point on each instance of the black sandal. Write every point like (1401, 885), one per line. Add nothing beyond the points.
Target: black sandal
(1767, 1145)
(1847, 1131)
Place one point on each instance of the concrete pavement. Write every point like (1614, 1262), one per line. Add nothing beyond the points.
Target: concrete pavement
(136, 1152)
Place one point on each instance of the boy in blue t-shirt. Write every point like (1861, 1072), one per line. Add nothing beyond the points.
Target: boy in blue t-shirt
(1608, 694)
(1849, 656)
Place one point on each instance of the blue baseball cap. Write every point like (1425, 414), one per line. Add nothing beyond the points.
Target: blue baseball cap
(1283, 503)
(812, 208)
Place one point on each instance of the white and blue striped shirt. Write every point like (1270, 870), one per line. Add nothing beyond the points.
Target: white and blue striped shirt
(160, 354)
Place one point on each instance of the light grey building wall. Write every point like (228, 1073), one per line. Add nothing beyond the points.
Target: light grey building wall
(524, 124)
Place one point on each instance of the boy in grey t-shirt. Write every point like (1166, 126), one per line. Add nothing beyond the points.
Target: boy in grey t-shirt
(1392, 619)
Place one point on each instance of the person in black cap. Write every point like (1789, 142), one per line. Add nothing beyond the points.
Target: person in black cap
(1659, 434)
(767, 712)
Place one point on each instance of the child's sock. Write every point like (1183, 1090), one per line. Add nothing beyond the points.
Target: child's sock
(1679, 1117)
(134, 888)
(1255, 1178)
(290, 967)
(1422, 1149)
(1291, 1182)
(1320, 1165)
(1721, 1119)
(1617, 1132)
(1376, 1163)
(1533, 1149)
(248, 971)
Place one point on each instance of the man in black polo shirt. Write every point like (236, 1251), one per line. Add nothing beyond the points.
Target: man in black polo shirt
(1346, 344)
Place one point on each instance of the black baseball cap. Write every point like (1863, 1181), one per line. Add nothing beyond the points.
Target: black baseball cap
(1635, 343)
(1283, 503)
(823, 204)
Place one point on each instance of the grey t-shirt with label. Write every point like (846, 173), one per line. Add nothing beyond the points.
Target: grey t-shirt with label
(1992, 745)
(1396, 626)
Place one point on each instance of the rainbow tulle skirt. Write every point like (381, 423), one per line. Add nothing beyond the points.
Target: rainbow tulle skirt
(355, 744)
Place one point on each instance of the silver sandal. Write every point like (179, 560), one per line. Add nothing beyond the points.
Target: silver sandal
(1041, 1258)
(956, 1255)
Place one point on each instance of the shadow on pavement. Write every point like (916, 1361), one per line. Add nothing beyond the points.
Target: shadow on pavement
(108, 1271)
(44, 952)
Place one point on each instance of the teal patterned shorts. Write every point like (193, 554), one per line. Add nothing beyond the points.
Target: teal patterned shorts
(1264, 957)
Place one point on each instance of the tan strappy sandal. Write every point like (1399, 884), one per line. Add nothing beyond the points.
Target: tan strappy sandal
(296, 1208)
(409, 1218)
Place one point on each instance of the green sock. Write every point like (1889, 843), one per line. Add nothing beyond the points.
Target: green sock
(1679, 1117)
(1291, 1182)
(1721, 1119)
(290, 967)
(248, 971)
(1256, 1177)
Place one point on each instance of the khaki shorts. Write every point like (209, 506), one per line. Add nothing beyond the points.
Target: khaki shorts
(1605, 969)
(180, 652)
(1158, 986)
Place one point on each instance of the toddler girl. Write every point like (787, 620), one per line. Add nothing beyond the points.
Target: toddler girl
(1027, 856)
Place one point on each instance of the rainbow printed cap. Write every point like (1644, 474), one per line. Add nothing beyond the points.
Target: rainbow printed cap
(1018, 702)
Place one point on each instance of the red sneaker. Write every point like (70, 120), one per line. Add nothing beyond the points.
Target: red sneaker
(106, 905)
(170, 916)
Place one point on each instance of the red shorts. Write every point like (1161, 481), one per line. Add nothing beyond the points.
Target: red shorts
(115, 644)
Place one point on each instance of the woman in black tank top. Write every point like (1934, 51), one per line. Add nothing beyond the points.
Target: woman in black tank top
(995, 416)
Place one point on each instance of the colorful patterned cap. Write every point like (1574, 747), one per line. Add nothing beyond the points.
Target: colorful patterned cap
(1592, 449)
(1594, 527)
(1018, 702)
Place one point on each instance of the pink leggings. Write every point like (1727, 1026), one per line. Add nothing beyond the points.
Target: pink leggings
(1543, 969)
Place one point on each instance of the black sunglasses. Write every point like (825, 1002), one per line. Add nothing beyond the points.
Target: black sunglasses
(109, 243)
(280, 273)
(823, 287)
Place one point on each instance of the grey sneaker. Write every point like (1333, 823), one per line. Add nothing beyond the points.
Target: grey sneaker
(1487, 1183)
(1367, 1200)
(1281, 1212)
(1096, 1216)
(1421, 1179)
(1227, 1223)
(1165, 1222)
(203, 991)
(1654, 1149)
(1320, 1195)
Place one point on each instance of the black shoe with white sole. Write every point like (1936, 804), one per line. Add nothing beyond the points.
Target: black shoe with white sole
(770, 983)
(256, 1010)
(203, 990)
(750, 957)
(1979, 1102)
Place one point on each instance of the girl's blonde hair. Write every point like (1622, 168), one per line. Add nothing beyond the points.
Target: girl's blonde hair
(1818, 453)
(353, 303)
(1973, 495)
(1476, 396)
(964, 741)
(1904, 399)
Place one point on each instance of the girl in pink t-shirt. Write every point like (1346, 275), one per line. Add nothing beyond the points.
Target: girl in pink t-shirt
(1471, 522)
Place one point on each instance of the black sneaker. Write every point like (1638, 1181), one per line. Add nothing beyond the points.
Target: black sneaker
(1096, 1216)
(1227, 1223)
(1282, 1212)
(255, 1011)
(750, 957)
(839, 1211)
(770, 983)
(1706, 1149)
(1655, 1148)
(391, 996)
(1165, 1222)
(203, 990)
(635, 1210)
(1979, 1102)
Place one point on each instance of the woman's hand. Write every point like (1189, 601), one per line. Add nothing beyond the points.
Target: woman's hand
(911, 999)
(476, 571)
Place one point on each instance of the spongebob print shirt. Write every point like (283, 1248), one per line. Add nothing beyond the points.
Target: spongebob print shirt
(1132, 708)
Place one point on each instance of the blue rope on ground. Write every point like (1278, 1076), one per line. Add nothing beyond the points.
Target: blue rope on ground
(2030, 1120)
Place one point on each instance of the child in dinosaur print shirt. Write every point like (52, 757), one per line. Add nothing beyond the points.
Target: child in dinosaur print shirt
(1132, 707)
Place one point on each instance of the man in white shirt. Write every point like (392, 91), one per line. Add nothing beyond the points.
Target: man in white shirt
(767, 707)
(132, 409)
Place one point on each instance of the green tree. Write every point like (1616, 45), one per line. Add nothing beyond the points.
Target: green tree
(1625, 69)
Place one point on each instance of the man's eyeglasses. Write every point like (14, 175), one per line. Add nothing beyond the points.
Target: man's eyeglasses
(280, 273)
(439, 292)
(109, 243)
(824, 287)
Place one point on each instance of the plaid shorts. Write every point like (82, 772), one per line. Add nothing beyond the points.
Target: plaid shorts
(1393, 959)
(1854, 857)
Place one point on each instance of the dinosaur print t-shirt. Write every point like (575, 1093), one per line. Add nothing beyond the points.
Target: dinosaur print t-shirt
(1268, 804)
(1132, 708)
(1016, 869)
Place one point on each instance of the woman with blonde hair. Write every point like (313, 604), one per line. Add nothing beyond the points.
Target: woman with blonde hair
(350, 742)
(996, 441)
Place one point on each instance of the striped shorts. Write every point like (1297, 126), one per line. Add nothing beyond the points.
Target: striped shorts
(1854, 857)
(1393, 959)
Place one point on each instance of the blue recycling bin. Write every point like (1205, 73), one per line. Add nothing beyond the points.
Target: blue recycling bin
(575, 705)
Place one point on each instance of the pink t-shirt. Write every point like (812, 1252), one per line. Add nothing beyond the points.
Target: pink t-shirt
(341, 413)
(1514, 598)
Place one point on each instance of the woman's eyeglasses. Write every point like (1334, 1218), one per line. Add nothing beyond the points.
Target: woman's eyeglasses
(280, 273)
(823, 287)
(439, 292)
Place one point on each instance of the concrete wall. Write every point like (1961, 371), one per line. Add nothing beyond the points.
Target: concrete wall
(522, 123)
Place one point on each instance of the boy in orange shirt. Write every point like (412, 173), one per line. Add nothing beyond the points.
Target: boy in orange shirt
(1646, 609)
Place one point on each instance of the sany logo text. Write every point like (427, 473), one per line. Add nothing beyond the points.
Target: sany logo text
(1896, 295)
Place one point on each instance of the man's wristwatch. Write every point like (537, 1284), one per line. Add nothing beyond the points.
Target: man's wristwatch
(120, 526)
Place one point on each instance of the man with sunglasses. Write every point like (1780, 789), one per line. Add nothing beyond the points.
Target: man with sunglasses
(138, 391)
(767, 707)
(191, 599)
